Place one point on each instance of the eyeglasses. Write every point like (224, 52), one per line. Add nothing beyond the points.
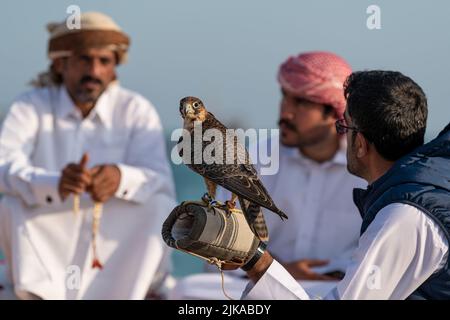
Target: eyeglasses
(342, 128)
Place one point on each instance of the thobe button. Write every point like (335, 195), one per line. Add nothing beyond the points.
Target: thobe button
(49, 199)
(124, 193)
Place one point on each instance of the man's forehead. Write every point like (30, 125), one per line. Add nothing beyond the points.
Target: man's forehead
(294, 95)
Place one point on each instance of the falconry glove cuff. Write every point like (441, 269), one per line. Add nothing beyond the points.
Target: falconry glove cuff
(213, 233)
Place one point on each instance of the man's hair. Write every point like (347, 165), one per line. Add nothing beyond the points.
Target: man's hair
(389, 109)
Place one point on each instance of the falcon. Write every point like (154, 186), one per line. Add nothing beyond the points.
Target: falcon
(239, 176)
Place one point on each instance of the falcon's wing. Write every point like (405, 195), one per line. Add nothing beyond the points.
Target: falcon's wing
(241, 177)
(242, 181)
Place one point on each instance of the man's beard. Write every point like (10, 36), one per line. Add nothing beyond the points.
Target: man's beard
(303, 140)
(353, 165)
(85, 95)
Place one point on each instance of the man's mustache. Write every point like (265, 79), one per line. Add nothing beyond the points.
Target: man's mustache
(90, 79)
(287, 124)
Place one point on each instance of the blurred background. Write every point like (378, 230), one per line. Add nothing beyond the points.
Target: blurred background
(228, 53)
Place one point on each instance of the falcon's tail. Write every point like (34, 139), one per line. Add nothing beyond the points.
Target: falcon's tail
(255, 219)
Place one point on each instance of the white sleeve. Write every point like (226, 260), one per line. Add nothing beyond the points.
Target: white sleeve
(400, 249)
(35, 186)
(146, 170)
(275, 284)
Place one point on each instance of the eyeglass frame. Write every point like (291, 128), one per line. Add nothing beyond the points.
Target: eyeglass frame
(342, 128)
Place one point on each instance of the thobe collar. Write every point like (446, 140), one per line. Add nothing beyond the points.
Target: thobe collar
(66, 108)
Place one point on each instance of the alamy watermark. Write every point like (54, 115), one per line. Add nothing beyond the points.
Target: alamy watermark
(373, 281)
(73, 277)
(73, 21)
(263, 147)
(374, 19)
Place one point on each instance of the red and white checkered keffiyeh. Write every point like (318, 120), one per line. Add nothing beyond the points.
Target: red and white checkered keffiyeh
(316, 76)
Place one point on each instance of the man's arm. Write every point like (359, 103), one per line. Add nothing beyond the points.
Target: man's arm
(146, 169)
(270, 281)
(401, 249)
(35, 186)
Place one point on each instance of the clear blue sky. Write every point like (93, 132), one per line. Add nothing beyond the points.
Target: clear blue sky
(228, 52)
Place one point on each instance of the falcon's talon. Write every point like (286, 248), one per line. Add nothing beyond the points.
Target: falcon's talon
(230, 204)
(207, 198)
(209, 201)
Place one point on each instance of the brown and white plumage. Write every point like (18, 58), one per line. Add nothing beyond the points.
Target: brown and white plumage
(239, 177)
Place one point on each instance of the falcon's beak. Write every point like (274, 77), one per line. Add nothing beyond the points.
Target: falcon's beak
(189, 111)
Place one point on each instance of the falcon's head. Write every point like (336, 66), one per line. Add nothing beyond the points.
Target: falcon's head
(192, 109)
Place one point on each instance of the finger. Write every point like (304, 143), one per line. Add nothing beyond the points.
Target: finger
(95, 170)
(101, 180)
(102, 195)
(73, 182)
(98, 171)
(78, 177)
(324, 277)
(84, 160)
(230, 266)
(71, 167)
(317, 262)
(80, 188)
(69, 188)
(310, 275)
(74, 168)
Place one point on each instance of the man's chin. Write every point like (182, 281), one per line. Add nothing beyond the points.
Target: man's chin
(354, 171)
(87, 97)
(288, 142)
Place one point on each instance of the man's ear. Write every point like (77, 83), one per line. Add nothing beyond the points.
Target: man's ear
(361, 145)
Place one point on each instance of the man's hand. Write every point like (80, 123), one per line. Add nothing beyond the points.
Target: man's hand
(105, 182)
(75, 178)
(301, 269)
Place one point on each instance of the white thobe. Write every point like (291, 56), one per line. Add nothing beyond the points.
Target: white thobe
(46, 246)
(400, 249)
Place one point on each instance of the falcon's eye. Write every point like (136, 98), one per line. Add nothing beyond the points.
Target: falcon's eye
(196, 105)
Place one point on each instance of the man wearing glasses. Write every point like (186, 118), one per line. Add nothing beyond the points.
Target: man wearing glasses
(405, 233)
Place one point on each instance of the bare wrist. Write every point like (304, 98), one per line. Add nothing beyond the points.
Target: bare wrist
(260, 267)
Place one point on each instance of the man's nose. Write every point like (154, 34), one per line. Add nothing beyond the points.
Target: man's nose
(95, 67)
(286, 113)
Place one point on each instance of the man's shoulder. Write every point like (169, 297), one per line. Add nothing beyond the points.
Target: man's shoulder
(35, 95)
(35, 99)
(400, 217)
(133, 99)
